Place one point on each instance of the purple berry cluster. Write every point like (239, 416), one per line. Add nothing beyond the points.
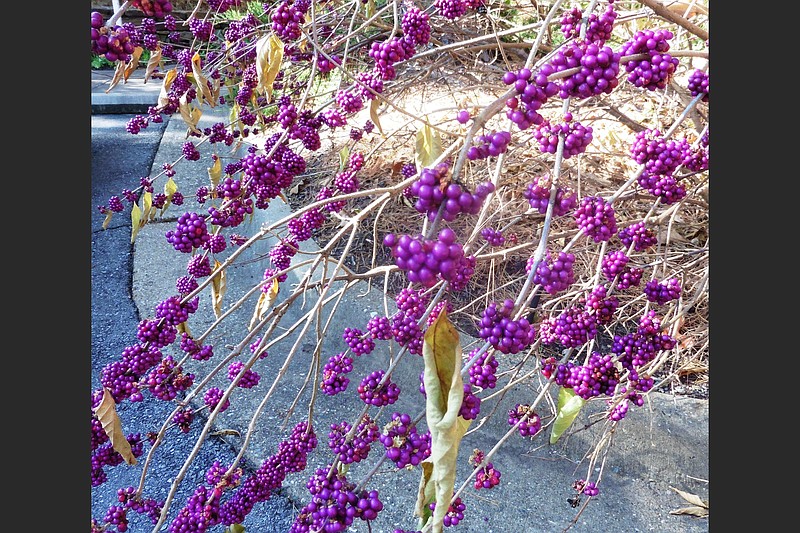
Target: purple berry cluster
(596, 218)
(598, 69)
(493, 236)
(404, 445)
(598, 376)
(249, 379)
(698, 84)
(600, 304)
(190, 233)
(528, 427)
(663, 291)
(373, 392)
(482, 373)
(451, 9)
(553, 274)
(287, 19)
(638, 235)
(425, 260)
(532, 93)
(657, 69)
(359, 342)
(489, 144)
(638, 348)
(572, 327)
(499, 329)
(455, 512)
(598, 27)
(431, 194)
(487, 476)
(416, 25)
(615, 265)
(576, 137)
(334, 374)
(358, 447)
(537, 193)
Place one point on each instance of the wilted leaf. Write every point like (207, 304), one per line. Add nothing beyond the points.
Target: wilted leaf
(183, 327)
(136, 218)
(170, 188)
(169, 77)
(190, 114)
(201, 81)
(569, 405)
(444, 391)
(153, 62)
(265, 301)
(702, 512)
(107, 220)
(428, 147)
(106, 413)
(219, 284)
(373, 114)
(133, 62)
(215, 172)
(425, 495)
(118, 73)
(269, 57)
(694, 499)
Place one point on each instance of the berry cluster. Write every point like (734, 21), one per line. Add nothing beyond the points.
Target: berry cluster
(249, 379)
(482, 372)
(153, 8)
(528, 427)
(404, 445)
(190, 233)
(657, 69)
(615, 265)
(416, 25)
(537, 193)
(490, 144)
(663, 291)
(659, 156)
(572, 327)
(424, 260)
(359, 342)
(431, 194)
(598, 27)
(638, 235)
(600, 304)
(576, 137)
(598, 376)
(372, 392)
(698, 84)
(451, 9)
(455, 512)
(598, 69)
(638, 348)
(287, 19)
(359, 446)
(334, 374)
(596, 218)
(532, 93)
(501, 331)
(113, 43)
(493, 236)
(554, 275)
(488, 476)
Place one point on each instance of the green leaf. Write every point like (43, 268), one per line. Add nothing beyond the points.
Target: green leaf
(234, 528)
(444, 392)
(569, 405)
(344, 155)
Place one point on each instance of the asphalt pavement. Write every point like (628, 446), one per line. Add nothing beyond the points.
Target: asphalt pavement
(658, 447)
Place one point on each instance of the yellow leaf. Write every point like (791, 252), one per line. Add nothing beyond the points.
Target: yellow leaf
(189, 114)
(569, 405)
(265, 301)
(269, 57)
(219, 285)
(133, 62)
(136, 218)
(344, 155)
(444, 391)
(373, 114)
(108, 219)
(201, 81)
(147, 206)
(106, 413)
(370, 8)
(153, 62)
(169, 77)
(701, 512)
(425, 494)
(428, 147)
(215, 171)
(183, 327)
(170, 188)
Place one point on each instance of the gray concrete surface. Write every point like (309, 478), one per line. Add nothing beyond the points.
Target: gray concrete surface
(661, 445)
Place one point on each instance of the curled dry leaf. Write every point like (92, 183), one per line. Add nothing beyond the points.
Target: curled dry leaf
(106, 413)
(373, 114)
(153, 62)
(444, 393)
(265, 301)
(219, 284)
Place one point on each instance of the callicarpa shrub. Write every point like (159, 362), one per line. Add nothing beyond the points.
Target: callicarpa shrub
(548, 228)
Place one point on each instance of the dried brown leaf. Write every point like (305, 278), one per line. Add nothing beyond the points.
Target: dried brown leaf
(694, 499)
(201, 81)
(219, 284)
(163, 98)
(153, 62)
(190, 115)
(106, 413)
(133, 62)
(701, 512)
(269, 57)
(265, 301)
(373, 114)
(107, 219)
(118, 73)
